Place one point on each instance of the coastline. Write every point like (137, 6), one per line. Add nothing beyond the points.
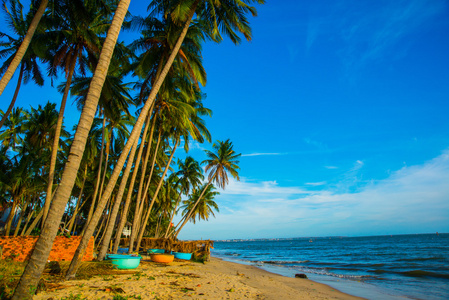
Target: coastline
(217, 279)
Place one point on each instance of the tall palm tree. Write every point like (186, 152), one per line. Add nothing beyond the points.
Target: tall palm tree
(221, 162)
(29, 67)
(76, 34)
(24, 45)
(36, 264)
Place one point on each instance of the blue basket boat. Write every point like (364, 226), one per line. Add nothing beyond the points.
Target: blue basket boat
(181, 255)
(124, 261)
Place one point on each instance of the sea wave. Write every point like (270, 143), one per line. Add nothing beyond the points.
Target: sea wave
(421, 273)
(283, 262)
(413, 273)
(422, 258)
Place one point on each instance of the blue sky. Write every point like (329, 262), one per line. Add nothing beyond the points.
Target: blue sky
(339, 109)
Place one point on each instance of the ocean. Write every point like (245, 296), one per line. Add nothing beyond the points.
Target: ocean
(375, 267)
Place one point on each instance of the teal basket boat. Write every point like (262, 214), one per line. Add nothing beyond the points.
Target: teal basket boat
(181, 255)
(124, 261)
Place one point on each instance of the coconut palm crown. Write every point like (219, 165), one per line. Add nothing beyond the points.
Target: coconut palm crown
(220, 162)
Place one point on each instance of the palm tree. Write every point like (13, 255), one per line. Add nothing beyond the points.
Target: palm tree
(29, 67)
(23, 46)
(77, 33)
(205, 206)
(189, 176)
(221, 162)
(35, 266)
(11, 137)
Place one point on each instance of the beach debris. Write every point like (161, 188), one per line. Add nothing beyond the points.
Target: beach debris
(301, 275)
(231, 290)
(240, 274)
(114, 289)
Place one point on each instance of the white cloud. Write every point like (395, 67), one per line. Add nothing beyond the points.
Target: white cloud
(316, 183)
(262, 154)
(411, 200)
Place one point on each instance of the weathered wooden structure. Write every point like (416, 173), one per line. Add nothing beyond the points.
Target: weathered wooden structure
(200, 249)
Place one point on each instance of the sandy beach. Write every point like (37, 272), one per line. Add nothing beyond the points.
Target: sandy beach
(216, 279)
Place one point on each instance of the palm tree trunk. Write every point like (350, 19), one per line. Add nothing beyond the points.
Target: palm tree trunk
(36, 220)
(30, 215)
(123, 156)
(77, 208)
(14, 98)
(10, 217)
(173, 214)
(105, 222)
(23, 47)
(108, 143)
(161, 181)
(19, 222)
(130, 189)
(35, 266)
(115, 209)
(140, 200)
(54, 150)
(97, 184)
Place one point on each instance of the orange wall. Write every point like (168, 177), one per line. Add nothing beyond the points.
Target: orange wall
(19, 248)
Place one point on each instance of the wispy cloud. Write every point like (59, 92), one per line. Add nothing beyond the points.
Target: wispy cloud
(263, 154)
(331, 167)
(316, 183)
(412, 199)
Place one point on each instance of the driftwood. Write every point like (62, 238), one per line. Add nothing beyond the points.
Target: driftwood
(200, 249)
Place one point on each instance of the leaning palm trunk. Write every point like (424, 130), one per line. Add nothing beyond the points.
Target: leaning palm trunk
(104, 224)
(23, 47)
(140, 203)
(14, 98)
(121, 161)
(10, 217)
(108, 143)
(77, 207)
(116, 207)
(161, 181)
(19, 222)
(97, 184)
(33, 270)
(30, 215)
(34, 223)
(172, 216)
(54, 150)
(130, 190)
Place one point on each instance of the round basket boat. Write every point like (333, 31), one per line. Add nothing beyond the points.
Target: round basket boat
(182, 255)
(154, 251)
(124, 261)
(162, 258)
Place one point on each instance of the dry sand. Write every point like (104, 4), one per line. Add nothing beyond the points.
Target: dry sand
(216, 279)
